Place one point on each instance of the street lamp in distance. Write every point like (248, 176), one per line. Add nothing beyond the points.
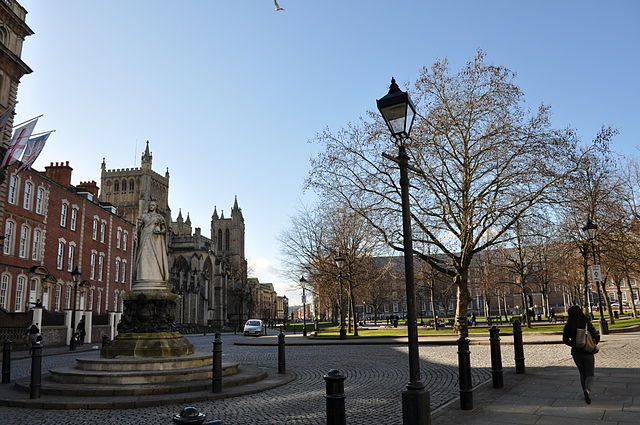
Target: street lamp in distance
(591, 229)
(340, 263)
(75, 277)
(398, 112)
(303, 282)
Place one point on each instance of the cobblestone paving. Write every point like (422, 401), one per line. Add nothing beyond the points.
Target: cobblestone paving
(376, 376)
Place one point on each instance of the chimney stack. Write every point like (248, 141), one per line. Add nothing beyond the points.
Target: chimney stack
(60, 173)
(90, 187)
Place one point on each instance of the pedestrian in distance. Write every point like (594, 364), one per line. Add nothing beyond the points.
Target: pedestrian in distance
(33, 332)
(585, 361)
(81, 331)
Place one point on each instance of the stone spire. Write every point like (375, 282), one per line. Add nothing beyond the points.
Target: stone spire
(179, 219)
(146, 158)
(215, 213)
(188, 221)
(104, 164)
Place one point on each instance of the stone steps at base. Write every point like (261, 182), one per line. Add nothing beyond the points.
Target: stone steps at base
(68, 375)
(10, 397)
(242, 376)
(144, 363)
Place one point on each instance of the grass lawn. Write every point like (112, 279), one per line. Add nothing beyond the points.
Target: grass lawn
(333, 331)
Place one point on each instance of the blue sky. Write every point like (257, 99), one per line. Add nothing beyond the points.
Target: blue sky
(229, 92)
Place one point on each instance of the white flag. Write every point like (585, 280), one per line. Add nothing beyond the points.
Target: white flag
(33, 149)
(18, 142)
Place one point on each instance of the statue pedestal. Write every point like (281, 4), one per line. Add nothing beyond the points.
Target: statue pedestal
(146, 328)
(152, 344)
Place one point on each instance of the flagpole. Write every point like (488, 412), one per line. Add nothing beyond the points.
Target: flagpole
(44, 132)
(34, 118)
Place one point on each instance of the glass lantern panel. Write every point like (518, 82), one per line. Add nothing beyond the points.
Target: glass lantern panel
(395, 116)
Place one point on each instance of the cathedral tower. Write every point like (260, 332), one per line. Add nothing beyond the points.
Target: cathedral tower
(131, 189)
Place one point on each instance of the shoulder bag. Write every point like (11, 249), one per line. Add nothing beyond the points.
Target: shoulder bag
(584, 340)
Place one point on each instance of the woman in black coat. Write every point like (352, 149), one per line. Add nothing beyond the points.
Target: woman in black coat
(584, 360)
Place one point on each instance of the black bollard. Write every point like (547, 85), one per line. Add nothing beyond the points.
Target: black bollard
(105, 340)
(282, 364)
(6, 361)
(335, 398)
(464, 371)
(36, 370)
(191, 415)
(518, 348)
(216, 377)
(496, 357)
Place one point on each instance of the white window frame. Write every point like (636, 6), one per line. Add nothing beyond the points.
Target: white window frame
(123, 271)
(56, 297)
(13, 188)
(100, 266)
(36, 245)
(94, 233)
(40, 200)
(25, 239)
(64, 210)
(9, 235)
(125, 236)
(118, 237)
(99, 303)
(21, 283)
(67, 297)
(5, 290)
(103, 230)
(60, 255)
(92, 265)
(70, 256)
(116, 272)
(27, 199)
(73, 225)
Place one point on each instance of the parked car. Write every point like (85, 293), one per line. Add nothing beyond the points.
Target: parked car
(253, 327)
(617, 304)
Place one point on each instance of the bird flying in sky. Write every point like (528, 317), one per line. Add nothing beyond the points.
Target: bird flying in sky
(277, 5)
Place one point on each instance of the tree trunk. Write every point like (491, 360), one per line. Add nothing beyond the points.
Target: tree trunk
(633, 300)
(612, 320)
(463, 299)
(355, 314)
(619, 298)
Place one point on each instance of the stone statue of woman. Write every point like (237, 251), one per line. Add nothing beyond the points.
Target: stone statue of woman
(151, 264)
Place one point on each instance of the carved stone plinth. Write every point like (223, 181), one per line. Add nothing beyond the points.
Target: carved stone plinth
(148, 311)
(152, 344)
(146, 328)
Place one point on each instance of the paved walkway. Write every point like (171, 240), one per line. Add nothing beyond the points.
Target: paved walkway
(552, 395)
(548, 393)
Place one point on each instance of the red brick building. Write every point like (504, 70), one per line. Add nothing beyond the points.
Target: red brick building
(50, 227)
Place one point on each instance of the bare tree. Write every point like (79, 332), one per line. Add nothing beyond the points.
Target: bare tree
(311, 244)
(481, 161)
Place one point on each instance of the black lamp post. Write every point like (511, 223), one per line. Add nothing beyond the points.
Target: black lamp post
(340, 263)
(75, 277)
(591, 229)
(399, 113)
(303, 282)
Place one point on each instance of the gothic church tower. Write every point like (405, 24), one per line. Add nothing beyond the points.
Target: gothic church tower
(131, 189)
